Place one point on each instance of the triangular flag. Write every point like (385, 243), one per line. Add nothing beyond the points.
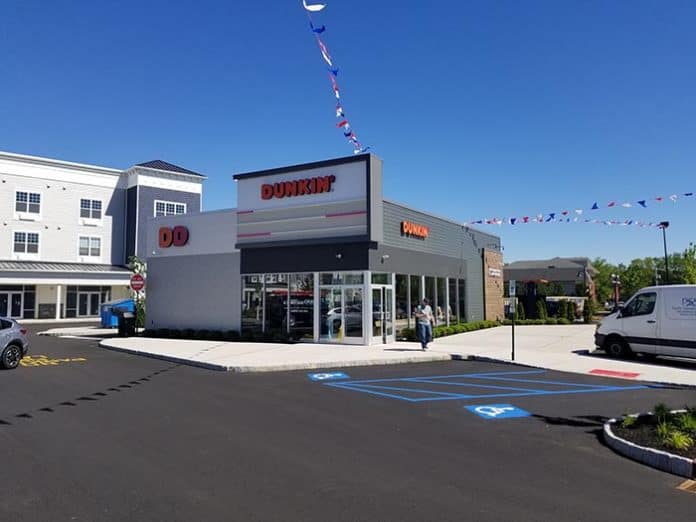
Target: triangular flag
(334, 71)
(552, 216)
(525, 219)
(611, 204)
(642, 203)
(659, 198)
(595, 206)
(578, 211)
(673, 197)
(626, 205)
(688, 194)
(343, 123)
(313, 8)
(339, 111)
(512, 221)
(565, 212)
(317, 30)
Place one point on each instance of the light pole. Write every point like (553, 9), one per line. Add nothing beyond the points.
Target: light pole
(663, 226)
(616, 281)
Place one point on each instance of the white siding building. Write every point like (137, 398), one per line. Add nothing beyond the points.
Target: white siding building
(68, 229)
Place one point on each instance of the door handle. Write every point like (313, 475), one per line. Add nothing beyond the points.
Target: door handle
(650, 321)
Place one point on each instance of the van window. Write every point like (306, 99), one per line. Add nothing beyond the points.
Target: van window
(642, 304)
(4, 325)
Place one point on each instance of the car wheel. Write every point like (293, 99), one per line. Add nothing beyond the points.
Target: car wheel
(11, 356)
(616, 347)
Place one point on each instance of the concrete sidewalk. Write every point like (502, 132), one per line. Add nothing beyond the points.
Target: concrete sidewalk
(564, 348)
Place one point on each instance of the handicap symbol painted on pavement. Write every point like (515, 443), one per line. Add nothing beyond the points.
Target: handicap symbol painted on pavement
(328, 376)
(498, 411)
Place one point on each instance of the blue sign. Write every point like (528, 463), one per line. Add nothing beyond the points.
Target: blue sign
(328, 376)
(498, 411)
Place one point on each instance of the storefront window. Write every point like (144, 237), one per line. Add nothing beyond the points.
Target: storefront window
(353, 278)
(461, 309)
(380, 278)
(330, 314)
(440, 307)
(276, 303)
(302, 305)
(402, 308)
(430, 291)
(353, 312)
(415, 296)
(452, 309)
(252, 303)
(341, 278)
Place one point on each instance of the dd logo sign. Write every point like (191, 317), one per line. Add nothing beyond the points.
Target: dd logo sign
(177, 236)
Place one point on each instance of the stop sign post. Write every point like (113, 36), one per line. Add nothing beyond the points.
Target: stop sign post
(137, 282)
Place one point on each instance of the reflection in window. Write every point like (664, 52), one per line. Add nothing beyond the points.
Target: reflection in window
(380, 278)
(276, 303)
(452, 315)
(402, 308)
(415, 296)
(461, 303)
(440, 308)
(642, 304)
(252, 303)
(302, 305)
(430, 291)
(353, 312)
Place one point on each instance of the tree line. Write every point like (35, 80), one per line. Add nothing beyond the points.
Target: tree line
(647, 271)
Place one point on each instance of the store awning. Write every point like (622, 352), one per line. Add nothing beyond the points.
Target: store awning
(46, 273)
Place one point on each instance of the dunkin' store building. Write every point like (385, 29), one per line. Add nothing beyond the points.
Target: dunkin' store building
(315, 251)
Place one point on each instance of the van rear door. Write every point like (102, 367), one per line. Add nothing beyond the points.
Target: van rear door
(639, 322)
(677, 333)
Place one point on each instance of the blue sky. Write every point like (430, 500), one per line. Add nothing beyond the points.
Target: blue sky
(478, 108)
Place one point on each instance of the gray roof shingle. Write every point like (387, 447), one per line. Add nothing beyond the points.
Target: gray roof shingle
(41, 266)
(169, 167)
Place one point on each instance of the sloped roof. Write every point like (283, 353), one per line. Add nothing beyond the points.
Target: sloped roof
(169, 167)
(556, 262)
(41, 266)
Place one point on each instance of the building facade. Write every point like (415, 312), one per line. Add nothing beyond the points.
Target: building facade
(571, 276)
(315, 251)
(68, 229)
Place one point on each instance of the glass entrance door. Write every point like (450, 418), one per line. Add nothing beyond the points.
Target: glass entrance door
(341, 314)
(382, 314)
(11, 304)
(88, 304)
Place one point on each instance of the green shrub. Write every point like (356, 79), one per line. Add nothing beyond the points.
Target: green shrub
(663, 430)
(231, 335)
(562, 310)
(552, 320)
(628, 421)
(563, 320)
(662, 413)
(588, 311)
(572, 312)
(678, 440)
(188, 333)
(687, 423)
(164, 333)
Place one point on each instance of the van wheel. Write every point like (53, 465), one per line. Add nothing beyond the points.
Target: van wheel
(616, 347)
(11, 356)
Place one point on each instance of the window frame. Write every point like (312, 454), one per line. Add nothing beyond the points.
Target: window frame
(28, 215)
(25, 254)
(166, 213)
(89, 254)
(91, 220)
(632, 302)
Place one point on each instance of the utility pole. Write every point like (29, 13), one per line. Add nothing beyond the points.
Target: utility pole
(663, 226)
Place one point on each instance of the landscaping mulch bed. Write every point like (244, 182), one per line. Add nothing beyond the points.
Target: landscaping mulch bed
(643, 433)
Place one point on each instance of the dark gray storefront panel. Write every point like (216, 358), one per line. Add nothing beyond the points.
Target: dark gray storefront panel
(310, 258)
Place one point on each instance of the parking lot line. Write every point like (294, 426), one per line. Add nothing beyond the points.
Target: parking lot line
(380, 387)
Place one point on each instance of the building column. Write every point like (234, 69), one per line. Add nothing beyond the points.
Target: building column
(59, 289)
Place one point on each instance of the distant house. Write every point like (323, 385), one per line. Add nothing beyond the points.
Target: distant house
(572, 273)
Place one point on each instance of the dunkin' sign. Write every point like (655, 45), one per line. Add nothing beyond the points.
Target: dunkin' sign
(298, 187)
(177, 236)
(408, 228)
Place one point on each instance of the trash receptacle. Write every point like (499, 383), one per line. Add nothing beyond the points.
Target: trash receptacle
(109, 318)
(126, 322)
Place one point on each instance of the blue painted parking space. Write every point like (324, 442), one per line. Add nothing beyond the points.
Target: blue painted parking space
(468, 386)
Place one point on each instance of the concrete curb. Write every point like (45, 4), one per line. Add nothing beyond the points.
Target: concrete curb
(661, 460)
(280, 367)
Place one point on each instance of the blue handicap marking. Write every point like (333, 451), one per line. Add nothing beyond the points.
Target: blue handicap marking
(328, 376)
(498, 411)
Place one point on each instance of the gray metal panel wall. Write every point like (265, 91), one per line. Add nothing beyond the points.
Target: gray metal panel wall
(146, 209)
(446, 239)
(199, 292)
(131, 220)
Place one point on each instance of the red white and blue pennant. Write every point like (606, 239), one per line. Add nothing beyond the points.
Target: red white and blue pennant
(343, 123)
(580, 215)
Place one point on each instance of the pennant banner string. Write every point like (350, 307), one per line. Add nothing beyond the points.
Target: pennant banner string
(343, 122)
(564, 216)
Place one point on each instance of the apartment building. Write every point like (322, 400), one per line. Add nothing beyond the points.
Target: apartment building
(67, 230)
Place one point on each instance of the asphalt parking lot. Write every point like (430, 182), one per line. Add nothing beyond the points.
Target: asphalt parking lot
(101, 435)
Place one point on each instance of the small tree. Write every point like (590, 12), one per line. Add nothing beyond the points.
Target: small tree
(541, 309)
(138, 266)
(588, 311)
(562, 310)
(520, 311)
(572, 308)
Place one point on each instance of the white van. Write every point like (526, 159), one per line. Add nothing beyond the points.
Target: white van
(657, 320)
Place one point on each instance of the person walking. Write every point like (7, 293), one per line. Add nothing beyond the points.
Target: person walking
(424, 323)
